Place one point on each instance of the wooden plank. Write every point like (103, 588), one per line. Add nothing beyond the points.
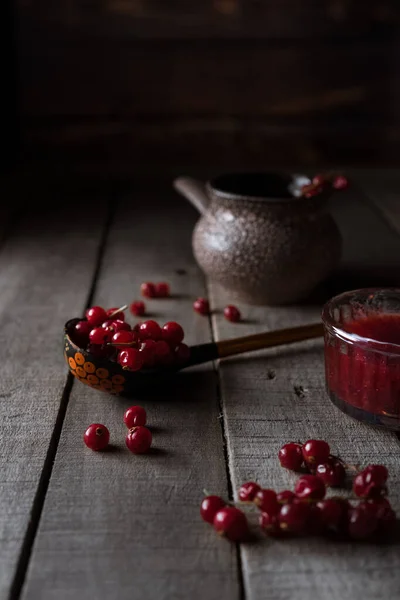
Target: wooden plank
(276, 396)
(122, 526)
(46, 268)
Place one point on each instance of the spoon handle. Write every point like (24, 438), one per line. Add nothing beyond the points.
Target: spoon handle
(249, 343)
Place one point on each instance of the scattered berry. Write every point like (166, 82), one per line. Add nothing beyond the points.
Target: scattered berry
(332, 512)
(285, 497)
(135, 416)
(340, 182)
(172, 333)
(130, 359)
(201, 306)
(210, 506)
(232, 523)
(115, 316)
(148, 290)
(231, 313)
(138, 440)
(162, 290)
(313, 191)
(247, 491)
(332, 474)
(362, 523)
(96, 436)
(319, 180)
(270, 524)
(315, 452)
(266, 501)
(310, 487)
(376, 474)
(137, 308)
(370, 483)
(150, 330)
(293, 517)
(291, 456)
(96, 315)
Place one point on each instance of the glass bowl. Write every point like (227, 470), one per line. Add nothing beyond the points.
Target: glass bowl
(362, 354)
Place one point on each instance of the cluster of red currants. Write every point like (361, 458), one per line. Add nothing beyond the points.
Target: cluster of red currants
(231, 313)
(138, 439)
(306, 510)
(106, 334)
(321, 182)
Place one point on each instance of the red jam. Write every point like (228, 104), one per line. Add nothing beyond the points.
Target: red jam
(365, 373)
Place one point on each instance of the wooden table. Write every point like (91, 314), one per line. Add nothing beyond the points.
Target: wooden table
(79, 525)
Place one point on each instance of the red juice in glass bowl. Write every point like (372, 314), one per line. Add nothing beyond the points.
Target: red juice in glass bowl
(362, 354)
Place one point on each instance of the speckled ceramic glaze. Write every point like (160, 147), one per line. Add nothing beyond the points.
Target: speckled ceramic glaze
(259, 239)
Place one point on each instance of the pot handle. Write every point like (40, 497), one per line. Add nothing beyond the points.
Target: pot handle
(194, 191)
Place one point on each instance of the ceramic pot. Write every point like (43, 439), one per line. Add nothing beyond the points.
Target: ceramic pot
(259, 238)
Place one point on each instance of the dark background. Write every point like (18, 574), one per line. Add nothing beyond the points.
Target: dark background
(144, 86)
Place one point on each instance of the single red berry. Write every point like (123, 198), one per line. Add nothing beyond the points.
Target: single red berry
(121, 338)
(293, 517)
(148, 290)
(96, 315)
(137, 308)
(150, 330)
(210, 506)
(81, 333)
(310, 487)
(96, 436)
(231, 313)
(232, 523)
(376, 505)
(365, 488)
(163, 354)
(248, 490)
(100, 335)
(376, 474)
(172, 333)
(362, 523)
(130, 359)
(201, 306)
(115, 316)
(134, 416)
(312, 191)
(285, 497)
(270, 524)
(333, 475)
(331, 512)
(148, 353)
(291, 457)
(138, 440)
(316, 452)
(182, 354)
(102, 352)
(119, 325)
(162, 290)
(340, 182)
(319, 180)
(266, 501)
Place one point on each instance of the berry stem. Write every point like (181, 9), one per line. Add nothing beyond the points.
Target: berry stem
(117, 310)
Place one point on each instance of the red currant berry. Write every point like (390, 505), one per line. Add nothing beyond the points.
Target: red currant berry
(81, 333)
(134, 416)
(148, 290)
(130, 359)
(209, 508)
(266, 501)
(331, 512)
(148, 353)
(138, 440)
(247, 491)
(332, 474)
(291, 457)
(150, 330)
(362, 523)
(316, 452)
(231, 313)
(310, 487)
(293, 517)
(96, 436)
(285, 497)
(319, 180)
(115, 316)
(162, 290)
(377, 505)
(312, 192)
(201, 306)
(100, 336)
(137, 308)
(182, 354)
(121, 338)
(376, 474)
(365, 488)
(163, 354)
(172, 333)
(270, 524)
(232, 523)
(96, 315)
(340, 182)
(119, 325)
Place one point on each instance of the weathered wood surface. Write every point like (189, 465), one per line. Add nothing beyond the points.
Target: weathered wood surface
(45, 273)
(121, 526)
(278, 396)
